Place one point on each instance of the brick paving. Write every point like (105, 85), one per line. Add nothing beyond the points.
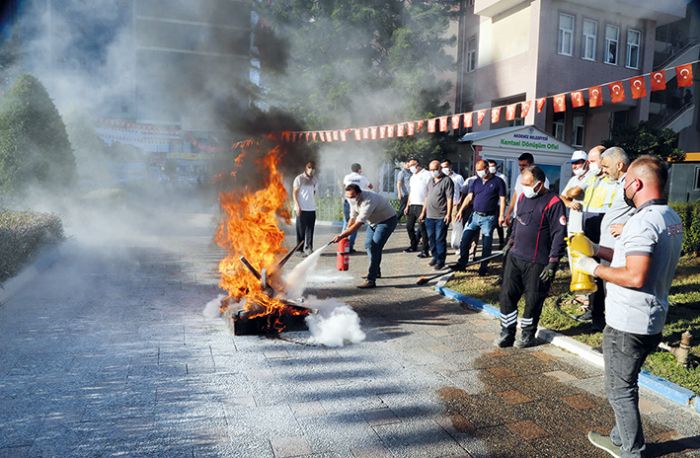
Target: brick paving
(107, 354)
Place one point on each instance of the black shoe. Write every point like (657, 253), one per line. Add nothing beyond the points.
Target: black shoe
(597, 327)
(423, 255)
(439, 266)
(432, 262)
(367, 284)
(506, 338)
(527, 338)
(353, 251)
(410, 250)
(458, 267)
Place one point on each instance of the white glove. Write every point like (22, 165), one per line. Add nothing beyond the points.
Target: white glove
(586, 264)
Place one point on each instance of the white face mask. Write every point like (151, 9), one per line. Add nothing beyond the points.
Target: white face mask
(352, 200)
(481, 173)
(436, 173)
(579, 171)
(593, 167)
(529, 191)
(446, 170)
(492, 170)
(310, 172)
(413, 169)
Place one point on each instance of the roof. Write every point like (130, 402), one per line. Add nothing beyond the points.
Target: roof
(482, 134)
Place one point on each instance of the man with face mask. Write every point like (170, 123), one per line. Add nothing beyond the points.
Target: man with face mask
(488, 194)
(534, 248)
(458, 182)
(437, 212)
(418, 189)
(615, 162)
(575, 188)
(367, 207)
(304, 195)
(642, 266)
(402, 187)
(493, 170)
(355, 176)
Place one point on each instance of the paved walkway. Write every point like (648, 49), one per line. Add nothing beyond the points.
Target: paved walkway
(107, 353)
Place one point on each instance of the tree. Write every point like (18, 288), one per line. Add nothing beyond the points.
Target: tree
(365, 62)
(646, 139)
(34, 146)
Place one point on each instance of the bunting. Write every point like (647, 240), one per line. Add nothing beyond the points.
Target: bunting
(431, 125)
(560, 103)
(525, 108)
(468, 120)
(495, 115)
(411, 130)
(617, 92)
(577, 99)
(480, 115)
(638, 87)
(658, 81)
(510, 111)
(443, 124)
(400, 129)
(684, 75)
(455, 121)
(540, 103)
(595, 96)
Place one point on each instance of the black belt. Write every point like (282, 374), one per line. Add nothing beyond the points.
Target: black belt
(485, 213)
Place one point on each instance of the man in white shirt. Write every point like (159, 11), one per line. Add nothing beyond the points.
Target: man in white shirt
(354, 177)
(458, 181)
(418, 191)
(574, 191)
(304, 195)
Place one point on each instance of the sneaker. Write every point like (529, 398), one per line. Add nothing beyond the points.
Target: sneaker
(526, 342)
(604, 442)
(505, 339)
(483, 273)
(432, 262)
(367, 284)
(423, 255)
(439, 265)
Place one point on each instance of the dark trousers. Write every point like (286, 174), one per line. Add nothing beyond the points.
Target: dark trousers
(501, 239)
(377, 236)
(403, 202)
(305, 230)
(624, 354)
(346, 218)
(477, 224)
(437, 237)
(522, 277)
(591, 228)
(416, 235)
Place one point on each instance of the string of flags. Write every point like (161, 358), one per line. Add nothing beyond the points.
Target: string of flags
(594, 95)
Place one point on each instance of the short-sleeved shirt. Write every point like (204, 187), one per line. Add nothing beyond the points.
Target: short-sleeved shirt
(403, 181)
(600, 193)
(458, 182)
(371, 208)
(487, 193)
(576, 216)
(653, 230)
(307, 190)
(439, 193)
(618, 213)
(419, 187)
(355, 178)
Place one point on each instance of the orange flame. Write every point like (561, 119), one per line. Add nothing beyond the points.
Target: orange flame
(250, 227)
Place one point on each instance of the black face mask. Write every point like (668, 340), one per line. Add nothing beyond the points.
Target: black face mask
(629, 200)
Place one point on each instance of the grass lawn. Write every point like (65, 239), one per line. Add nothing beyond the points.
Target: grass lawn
(684, 314)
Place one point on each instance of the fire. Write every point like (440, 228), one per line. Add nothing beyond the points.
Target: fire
(250, 227)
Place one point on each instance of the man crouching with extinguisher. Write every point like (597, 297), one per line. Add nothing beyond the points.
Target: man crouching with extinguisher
(375, 210)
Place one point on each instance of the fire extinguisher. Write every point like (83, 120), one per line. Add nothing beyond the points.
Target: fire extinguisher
(342, 258)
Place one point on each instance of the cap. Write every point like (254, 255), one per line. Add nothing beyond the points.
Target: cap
(579, 156)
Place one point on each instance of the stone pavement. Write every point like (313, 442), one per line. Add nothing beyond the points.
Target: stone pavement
(107, 353)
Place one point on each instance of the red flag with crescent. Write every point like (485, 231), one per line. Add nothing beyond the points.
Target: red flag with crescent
(617, 92)
(455, 121)
(336, 136)
(373, 132)
(344, 135)
(382, 131)
(495, 115)
(658, 80)
(314, 135)
(577, 99)
(595, 96)
(559, 103)
(431, 125)
(410, 128)
(419, 125)
(480, 115)
(400, 130)
(468, 123)
(540, 103)
(638, 87)
(322, 136)
(525, 108)
(684, 75)
(510, 111)
(358, 134)
(390, 129)
(443, 124)
(308, 135)
(365, 133)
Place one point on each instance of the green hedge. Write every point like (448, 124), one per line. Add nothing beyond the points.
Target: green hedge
(690, 215)
(22, 234)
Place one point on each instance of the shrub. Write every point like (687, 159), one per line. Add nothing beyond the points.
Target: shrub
(22, 234)
(690, 216)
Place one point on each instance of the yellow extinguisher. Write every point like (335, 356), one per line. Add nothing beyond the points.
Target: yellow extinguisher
(581, 282)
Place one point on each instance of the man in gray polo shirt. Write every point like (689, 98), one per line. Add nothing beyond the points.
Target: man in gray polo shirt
(639, 277)
(614, 163)
(375, 210)
(437, 212)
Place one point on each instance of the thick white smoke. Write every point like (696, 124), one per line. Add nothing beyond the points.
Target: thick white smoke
(334, 325)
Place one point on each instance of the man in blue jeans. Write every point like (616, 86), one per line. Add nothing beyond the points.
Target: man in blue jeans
(354, 177)
(488, 195)
(436, 213)
(375, 210)
(642, 265)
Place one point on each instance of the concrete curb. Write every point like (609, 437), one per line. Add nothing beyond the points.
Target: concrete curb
(656, 384)
(45, 259)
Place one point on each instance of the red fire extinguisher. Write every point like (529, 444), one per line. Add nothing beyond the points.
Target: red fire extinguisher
(342, 258)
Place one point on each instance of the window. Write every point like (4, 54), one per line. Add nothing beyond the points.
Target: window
(471, 54)
(634, 41)
(697, 177)
(566, 34)
(590, 39)
(558, 129)
(612, 36)
(578, 131)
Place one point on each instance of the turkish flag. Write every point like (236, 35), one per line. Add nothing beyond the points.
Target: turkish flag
(559, 103)
(399, 130)
(373, 132)
(431, 125)
(443, 124)
(540, 104)
(365, 133)
(480, 115)
(455, 121)
(390, 130)
(495, 115)
(411, 128)
(314, 135)
(577, 99)
(595, 96)
(658, 80)
(322, 136)
(468, 120)
(358, 134)
(525, 108)
(419, 125)
(638, 87)
(684, 75)
(382, 131)
(510, 111)
(336, 136)
(344, 135)
(308, 136)
(617, 92)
